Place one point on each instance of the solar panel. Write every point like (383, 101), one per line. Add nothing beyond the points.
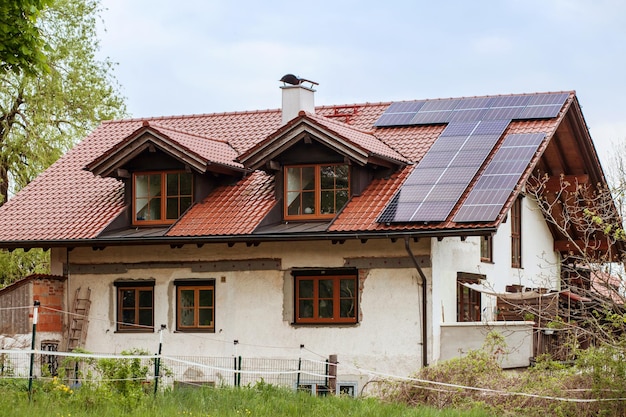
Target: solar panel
(470, 109)
(431, 117)
(438, 181)
(496, 184)
(399, 113)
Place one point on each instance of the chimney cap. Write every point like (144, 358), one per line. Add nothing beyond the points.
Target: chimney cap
(294, 80)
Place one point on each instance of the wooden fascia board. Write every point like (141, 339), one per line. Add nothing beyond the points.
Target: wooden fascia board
(289, 138)
(567, 183)
(574, 246)
(132, 149)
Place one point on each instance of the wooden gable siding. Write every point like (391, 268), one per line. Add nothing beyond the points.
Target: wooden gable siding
(48, 290)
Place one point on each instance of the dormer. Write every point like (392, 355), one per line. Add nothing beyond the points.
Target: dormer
(319, 163)
(165, 171)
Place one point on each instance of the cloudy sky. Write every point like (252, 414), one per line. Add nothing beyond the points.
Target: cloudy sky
(205, 56)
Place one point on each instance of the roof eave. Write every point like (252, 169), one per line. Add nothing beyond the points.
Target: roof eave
(176, 241)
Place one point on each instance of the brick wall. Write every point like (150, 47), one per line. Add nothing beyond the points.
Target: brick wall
(50, 293)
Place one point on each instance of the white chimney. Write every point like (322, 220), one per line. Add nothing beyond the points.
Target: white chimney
(296, 97)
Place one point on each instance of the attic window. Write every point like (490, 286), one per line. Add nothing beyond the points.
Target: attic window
(315, 191)
(161, 197)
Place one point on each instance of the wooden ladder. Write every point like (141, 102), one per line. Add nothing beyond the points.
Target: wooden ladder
(77, 332)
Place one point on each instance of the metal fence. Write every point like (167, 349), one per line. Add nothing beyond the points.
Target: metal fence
(176, 371)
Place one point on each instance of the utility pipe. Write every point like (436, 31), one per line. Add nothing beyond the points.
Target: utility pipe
(424, 303)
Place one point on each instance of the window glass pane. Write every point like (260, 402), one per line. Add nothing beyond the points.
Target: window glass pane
(141, 185)
(305, 309)
(293, 199)
(305, 288)
(186, 317)
(172, 184)
(206, 317)
(347, 287)
(346, 307)
(308, 178)
(155, 209)
(128, 317)
(145, 317)
(145, 298)
(186, 298)
(328, 202)
(141, 208)
(186, 180)
(206, 298)
(342, 199)
(341, 177)
(308, 202)
(172, 208)
(326, 288)
(293, 180)
(327, 177)
(185, 203)
(128, 298)
(325, 309)
(155, 184)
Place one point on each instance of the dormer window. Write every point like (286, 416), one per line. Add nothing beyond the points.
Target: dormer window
(161, 197)
(316, 191)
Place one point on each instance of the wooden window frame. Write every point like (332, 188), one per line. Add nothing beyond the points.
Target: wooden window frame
(337, 277)
(163, 220)
(486, 248)
(196, 286)
(516, 234)
(136, 287)
(316, 214)
(467, 297)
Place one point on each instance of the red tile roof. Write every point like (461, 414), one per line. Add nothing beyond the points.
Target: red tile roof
(68, 203)
(231, 209)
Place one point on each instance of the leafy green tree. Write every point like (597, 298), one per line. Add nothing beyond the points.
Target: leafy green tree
(43, 115)
(22, 46)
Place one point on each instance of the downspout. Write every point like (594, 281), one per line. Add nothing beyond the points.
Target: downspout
(424, 303)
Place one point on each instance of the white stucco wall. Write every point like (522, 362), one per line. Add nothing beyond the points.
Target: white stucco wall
(540, 266)
(256, 307)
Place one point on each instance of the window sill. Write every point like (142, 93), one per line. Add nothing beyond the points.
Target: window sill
(325, 324)
(134, 331)
(194, 331)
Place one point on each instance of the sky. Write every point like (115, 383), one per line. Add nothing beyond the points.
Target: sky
(207, 56)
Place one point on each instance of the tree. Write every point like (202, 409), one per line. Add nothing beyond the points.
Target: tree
(586, 221)
(22, 46)
(43, 115)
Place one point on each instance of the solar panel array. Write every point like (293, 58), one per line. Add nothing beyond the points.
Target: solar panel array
(502, 174)
(532, 106)
(474, 127)
(433, 188)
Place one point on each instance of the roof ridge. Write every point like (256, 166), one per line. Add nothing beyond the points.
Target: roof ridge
(185, 132)
(570, 92)
(189, 116)
(343, 124)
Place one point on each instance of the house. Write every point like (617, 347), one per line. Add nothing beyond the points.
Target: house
(376, 231)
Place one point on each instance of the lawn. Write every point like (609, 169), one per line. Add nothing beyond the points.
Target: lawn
(57, 400)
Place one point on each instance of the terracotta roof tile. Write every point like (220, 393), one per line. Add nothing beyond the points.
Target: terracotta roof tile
(216, 151)
(229, 210)
(66, 202)
(364, 139)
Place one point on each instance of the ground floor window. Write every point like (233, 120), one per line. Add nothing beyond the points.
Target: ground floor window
(195, 305)
(326, 296)
(468, 300)
(135, 305)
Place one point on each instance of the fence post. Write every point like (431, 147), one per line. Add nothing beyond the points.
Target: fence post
(157, 362)
(332, 374)
(239, 373)
(299, 367)
(235, 373)
(32, 347)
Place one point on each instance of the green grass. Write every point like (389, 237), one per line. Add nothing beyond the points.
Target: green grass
(261, 401)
